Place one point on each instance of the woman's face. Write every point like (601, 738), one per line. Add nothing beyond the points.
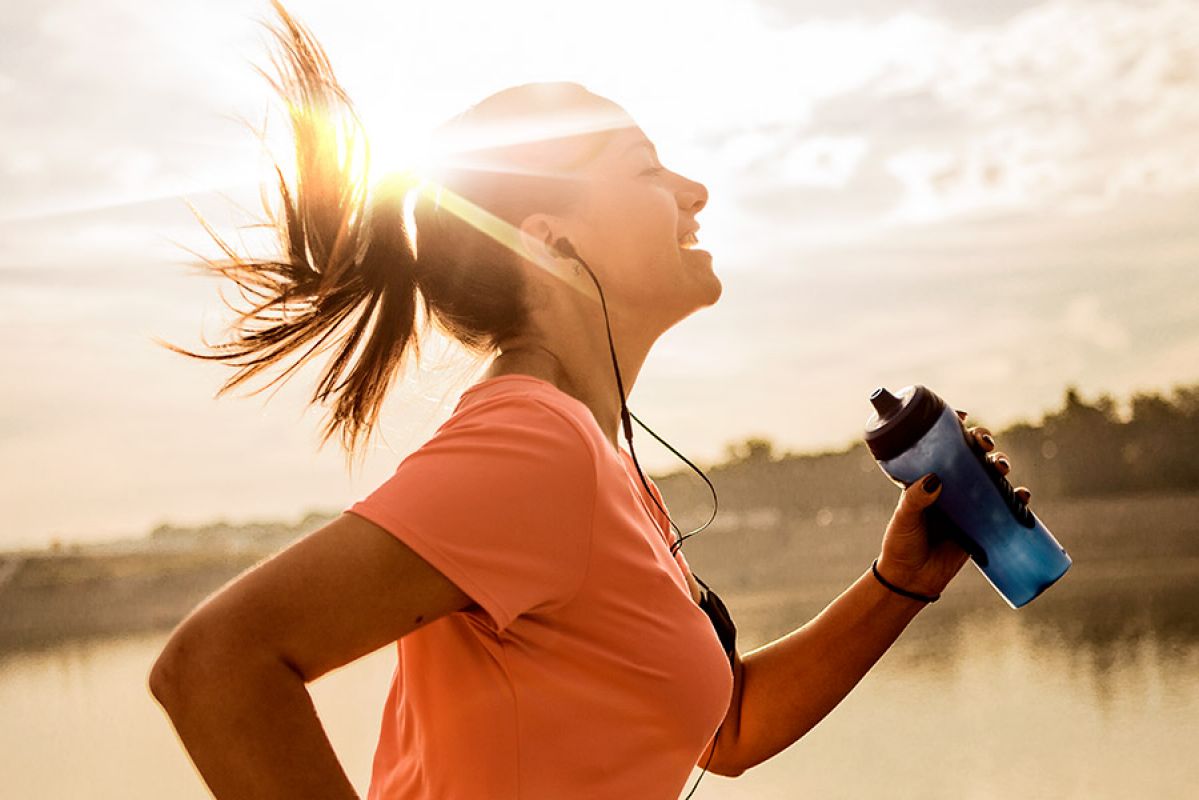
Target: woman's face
(635, 214)
(627, 225)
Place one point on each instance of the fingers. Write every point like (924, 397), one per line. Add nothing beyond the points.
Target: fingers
(983, 435)
(922, 492)
(987, 442)
(1004, 465)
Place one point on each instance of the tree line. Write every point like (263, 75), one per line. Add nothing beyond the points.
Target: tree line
(1081, 448)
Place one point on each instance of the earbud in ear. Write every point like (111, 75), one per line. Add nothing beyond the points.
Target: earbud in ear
(563, 247)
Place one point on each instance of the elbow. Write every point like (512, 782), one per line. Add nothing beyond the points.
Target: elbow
(201, 663)
(731, 767)
(159, 679)
(726, 762)
(165, 676)
(189, 654)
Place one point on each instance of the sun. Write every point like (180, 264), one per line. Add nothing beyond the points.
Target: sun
(412, 159)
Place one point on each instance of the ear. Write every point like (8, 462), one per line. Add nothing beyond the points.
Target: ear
(538, 232)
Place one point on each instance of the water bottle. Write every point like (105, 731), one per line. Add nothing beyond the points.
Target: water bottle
(915, 432)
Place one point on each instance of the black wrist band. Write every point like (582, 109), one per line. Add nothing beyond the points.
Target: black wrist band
(926, 598)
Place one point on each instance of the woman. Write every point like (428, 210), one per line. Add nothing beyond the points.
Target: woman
(550, 642)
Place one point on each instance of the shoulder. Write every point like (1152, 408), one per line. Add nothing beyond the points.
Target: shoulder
(511, 457)
(501, 500)
(525, 413)
(548, 417)
(520, 441)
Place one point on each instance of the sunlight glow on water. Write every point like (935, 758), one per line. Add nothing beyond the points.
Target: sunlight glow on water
(989, 707)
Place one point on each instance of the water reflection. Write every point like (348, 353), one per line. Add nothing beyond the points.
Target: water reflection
(1091, 691)
(1094, 695)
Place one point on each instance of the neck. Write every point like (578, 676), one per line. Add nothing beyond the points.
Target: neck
(582, 370)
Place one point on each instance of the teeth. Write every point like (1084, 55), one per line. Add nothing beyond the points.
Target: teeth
(690, 240)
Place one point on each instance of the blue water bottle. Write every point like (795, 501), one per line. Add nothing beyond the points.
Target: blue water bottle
(915, 432)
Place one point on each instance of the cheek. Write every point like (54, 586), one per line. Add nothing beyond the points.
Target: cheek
(651, 223)
(642, 206)
(638, 230)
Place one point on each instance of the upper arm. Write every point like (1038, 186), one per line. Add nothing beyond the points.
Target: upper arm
(494, 511)
(502, 502)
(337, 594)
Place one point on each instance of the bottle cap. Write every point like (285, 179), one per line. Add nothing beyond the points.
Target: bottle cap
(900, 420)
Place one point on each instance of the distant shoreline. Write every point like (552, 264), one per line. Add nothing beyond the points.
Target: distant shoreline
(1136, 544)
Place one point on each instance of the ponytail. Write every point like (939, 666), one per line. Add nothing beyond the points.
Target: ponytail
(348, 274)
(344, 256)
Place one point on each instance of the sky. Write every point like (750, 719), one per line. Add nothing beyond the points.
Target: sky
(996, 199)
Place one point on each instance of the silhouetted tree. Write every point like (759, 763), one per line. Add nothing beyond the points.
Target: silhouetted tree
(1080, 449)
(755, 449)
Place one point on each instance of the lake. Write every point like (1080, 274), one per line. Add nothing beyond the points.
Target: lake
(1091, 691)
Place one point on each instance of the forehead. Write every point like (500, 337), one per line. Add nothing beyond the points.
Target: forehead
(587, 133)
(590, 150)
(632, 141)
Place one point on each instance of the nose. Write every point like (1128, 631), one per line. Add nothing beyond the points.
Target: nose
(693, 196)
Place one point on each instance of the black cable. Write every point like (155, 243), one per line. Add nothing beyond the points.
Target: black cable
(711, 604)
(564, 247)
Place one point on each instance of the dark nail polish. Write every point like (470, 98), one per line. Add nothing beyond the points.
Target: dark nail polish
(931, 483)
(987, 438)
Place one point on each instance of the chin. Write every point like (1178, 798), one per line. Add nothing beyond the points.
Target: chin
(712, 289)
(703, 296)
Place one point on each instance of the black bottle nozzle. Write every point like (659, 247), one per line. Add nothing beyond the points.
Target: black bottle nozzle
(900, 421)
(884, 402)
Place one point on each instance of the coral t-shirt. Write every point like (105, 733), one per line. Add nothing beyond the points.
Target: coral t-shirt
(586, 669)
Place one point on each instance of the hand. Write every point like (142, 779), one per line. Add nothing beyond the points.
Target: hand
(917, 554)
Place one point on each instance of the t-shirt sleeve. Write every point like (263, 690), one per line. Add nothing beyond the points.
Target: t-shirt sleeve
(501, 500)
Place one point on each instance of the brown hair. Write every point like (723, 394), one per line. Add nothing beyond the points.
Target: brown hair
(346, 271)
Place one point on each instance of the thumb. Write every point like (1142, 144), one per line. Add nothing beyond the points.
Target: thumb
(921, 493)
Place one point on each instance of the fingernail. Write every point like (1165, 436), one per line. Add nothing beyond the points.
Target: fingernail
(931, 483)
(987, 438)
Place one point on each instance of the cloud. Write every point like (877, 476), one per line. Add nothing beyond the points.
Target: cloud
(1085, 319)
(1072, 102)
(1066, 107)
(961, 12)
(1000, 170)
(117, 102)
(823, 160)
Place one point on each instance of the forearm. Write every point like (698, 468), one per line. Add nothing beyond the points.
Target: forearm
(252, 731)
(790, 684)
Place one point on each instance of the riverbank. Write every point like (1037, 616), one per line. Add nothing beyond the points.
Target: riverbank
(777, 577)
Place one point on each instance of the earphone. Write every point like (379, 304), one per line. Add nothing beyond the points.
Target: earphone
(563, 247)
(710, 602)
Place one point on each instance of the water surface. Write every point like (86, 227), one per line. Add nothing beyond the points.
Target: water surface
(1091, 695)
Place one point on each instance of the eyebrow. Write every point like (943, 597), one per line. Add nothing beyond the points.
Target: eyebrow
(641, 143)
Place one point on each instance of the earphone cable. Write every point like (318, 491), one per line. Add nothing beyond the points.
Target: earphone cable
(563, 246)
